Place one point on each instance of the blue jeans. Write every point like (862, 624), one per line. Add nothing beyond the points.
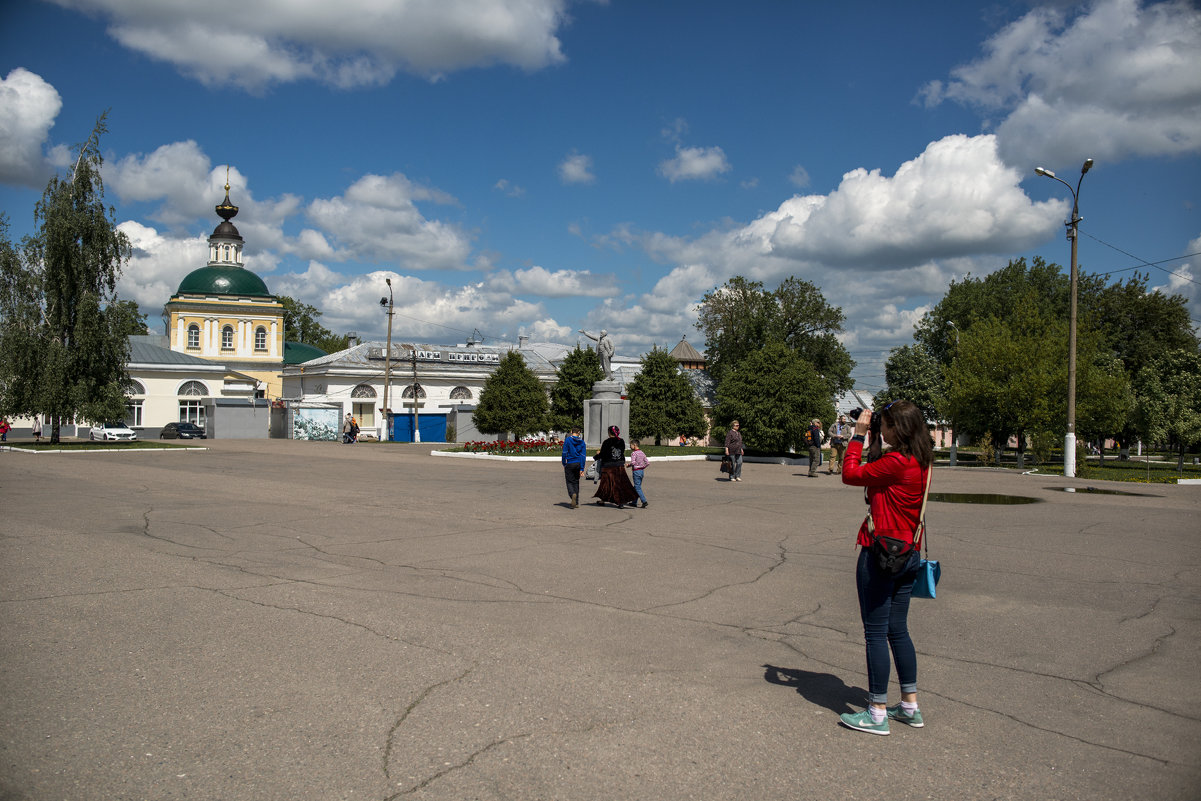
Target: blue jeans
(737, 457)
(638, 484)
(884, 607)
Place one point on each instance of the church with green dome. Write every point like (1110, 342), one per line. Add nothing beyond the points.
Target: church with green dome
(223, 312)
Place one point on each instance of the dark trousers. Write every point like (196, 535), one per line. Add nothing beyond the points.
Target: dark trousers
(884, 607)
(571, 473)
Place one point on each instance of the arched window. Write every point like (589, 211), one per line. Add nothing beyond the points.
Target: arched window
(227, 338)
(137, 388)
(260, 338)
(363, 391)
(191, 409)
(194, 336)
(408, 391)
(460, 393)
(193, 389)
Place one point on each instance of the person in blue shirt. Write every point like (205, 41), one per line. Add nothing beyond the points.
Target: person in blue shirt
(575, 453)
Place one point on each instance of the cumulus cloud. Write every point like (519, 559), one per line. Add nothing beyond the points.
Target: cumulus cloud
(956, 198)
(28, 107)
(345, 44)
(1120, 79)
(557, 284)
(158, 265)
(576, 169)
(694, 163)
(377, 220)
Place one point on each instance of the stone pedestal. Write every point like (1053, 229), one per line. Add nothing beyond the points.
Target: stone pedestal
(606, 408)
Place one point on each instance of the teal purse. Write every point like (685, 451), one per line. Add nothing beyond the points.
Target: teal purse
(929, 571)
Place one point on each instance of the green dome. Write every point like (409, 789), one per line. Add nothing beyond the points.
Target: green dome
(223, 280)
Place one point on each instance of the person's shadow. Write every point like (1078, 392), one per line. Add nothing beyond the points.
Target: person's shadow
(822, 689)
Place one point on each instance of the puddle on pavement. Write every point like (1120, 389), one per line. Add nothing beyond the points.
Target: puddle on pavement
(990, 499)
(1095, 491)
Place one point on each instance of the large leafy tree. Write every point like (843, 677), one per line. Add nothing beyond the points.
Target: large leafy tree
(1169, 399)
(773, 393)
(63, 332)
(573, 385)
(302, 324)
(512, 400)
(914, 375)
(662, 402)
(739, 317)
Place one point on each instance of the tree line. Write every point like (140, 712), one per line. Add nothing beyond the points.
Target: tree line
(991, 358)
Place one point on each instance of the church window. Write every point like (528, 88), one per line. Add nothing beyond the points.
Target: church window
(408, 391)
(194, 336)
(460, 393)
(260, 338)
(227, 338)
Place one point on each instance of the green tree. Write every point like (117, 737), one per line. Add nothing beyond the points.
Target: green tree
(1169, 400)
(573, 385)
(773, 393)
(63, 332)
(739, 317)
(662, 403)
(301, 324)
(129, 317)
(512, 400)
(914, 375)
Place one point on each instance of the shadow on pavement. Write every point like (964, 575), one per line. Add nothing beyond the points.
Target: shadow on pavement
(822, 689)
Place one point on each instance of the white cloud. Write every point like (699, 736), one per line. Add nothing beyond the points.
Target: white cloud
(158, 265)
(799, 177)
(1120, 79)
(694, 163)
(576, 169)
(377, 219)
(350, 43)
(957, 198)
(28, 107)
(558, 284)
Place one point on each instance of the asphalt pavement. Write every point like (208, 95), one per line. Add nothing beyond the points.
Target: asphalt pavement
(295, 620)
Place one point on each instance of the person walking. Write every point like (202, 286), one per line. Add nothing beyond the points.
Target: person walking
(615, 486)
(813, 438)
(348, 430)
(839, 433)
(637, 464)
(4, 429)
(734, 450)
(37, 428)
(575, 453)
(895, 484)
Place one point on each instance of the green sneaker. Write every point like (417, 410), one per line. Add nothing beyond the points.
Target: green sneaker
(898, 714)
(862, 721)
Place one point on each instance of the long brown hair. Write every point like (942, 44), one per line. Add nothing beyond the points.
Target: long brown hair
(912, 435)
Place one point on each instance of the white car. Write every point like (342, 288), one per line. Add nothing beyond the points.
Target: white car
(110, 432)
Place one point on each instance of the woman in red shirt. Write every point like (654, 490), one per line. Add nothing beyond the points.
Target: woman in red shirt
(895, 484)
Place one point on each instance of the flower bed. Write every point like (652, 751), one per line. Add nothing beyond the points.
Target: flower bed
(516, 448)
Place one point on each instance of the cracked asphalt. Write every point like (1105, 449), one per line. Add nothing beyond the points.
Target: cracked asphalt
(290, 620)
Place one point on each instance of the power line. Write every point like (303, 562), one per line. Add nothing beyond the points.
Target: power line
(1145, 263)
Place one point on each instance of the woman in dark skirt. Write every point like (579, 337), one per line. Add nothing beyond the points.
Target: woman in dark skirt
(615, 486)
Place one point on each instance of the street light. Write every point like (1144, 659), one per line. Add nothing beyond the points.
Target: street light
(1073, 225)
(954, 438)
(387, 304)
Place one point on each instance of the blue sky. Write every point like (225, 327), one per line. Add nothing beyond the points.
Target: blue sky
(540, 166)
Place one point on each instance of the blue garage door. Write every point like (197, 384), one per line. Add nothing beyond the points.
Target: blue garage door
(433, 427)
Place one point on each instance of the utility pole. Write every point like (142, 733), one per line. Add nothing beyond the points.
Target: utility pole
(387, 302)
(416, 398)
(1073, 225)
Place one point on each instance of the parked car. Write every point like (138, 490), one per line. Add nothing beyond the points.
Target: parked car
(110, 432)
(182, 431)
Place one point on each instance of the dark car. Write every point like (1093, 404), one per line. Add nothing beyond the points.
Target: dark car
(182, 431)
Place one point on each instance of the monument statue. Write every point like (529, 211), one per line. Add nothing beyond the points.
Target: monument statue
(605, 350)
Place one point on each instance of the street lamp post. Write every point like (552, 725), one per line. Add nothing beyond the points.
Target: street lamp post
(416, 398)
(388, 304)
(954, 438)
(1073, 226)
